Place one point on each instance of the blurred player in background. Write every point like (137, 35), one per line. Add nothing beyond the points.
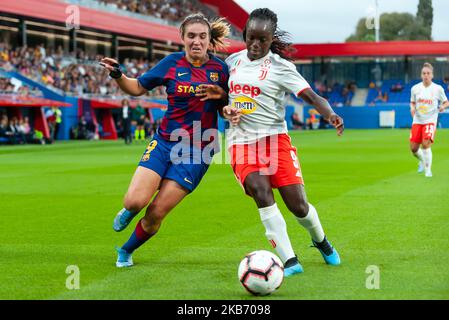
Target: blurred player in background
(182, 74)
(126, 121)
(259, 78)
(426, 100)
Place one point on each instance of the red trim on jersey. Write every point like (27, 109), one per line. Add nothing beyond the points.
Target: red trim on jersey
(302, 91)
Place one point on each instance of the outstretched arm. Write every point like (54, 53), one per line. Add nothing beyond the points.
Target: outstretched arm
(129, 85)
(323, 107)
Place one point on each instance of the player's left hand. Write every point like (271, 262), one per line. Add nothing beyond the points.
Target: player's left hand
(210, 92)
(441, 109)
(232, 114)
(337, 122)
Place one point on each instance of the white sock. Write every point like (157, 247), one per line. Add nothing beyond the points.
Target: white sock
(312, 224)
(419, 154)
(427, 155)
(276, 231)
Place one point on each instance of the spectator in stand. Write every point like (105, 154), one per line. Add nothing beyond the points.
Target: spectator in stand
(13, 130)
(296, 121)
(397, 87)
(446, 82)
(312, 120)
(350, 92)
(381, 97)
(74, 73)
(5, 135)
(29, 133)
(86, 129)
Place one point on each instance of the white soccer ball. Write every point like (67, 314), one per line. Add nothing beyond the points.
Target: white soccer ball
(261, 272)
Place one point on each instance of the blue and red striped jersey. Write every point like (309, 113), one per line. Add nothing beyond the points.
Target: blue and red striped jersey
(181, 80)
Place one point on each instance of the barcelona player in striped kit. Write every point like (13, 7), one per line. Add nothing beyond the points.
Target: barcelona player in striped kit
(175, 160)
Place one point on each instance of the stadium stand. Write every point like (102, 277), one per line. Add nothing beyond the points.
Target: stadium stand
(41, 58)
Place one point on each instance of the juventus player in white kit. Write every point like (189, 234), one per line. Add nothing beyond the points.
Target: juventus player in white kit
(424, 107)
(259, 78)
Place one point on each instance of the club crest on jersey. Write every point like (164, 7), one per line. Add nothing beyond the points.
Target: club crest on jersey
(245, 104)
(264, 68)
(214, 76)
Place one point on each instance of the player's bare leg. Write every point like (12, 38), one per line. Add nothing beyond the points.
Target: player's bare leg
(143, 186)
(259, 188)
(295, 198)
(427, 155)
(418, 153)
(169, 195)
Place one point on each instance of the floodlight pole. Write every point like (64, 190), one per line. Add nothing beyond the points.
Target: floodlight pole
(378, 70)
(377, 22)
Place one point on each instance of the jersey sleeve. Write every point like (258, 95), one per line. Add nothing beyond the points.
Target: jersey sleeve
(442, 95)
(292, 81)
(156, 76)
(230, 60)
(413, 94)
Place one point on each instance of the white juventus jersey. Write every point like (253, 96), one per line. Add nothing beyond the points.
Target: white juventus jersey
(258, 88)
(427, 101)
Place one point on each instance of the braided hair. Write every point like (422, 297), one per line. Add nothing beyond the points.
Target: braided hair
(281, 39)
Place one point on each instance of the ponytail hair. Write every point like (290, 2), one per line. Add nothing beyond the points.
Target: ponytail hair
(281, 39)
(219, 29)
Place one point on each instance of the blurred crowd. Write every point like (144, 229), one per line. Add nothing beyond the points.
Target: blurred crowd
(338, 95)
(172, 10)
(75, 74)
(18, 131)
(169, 10)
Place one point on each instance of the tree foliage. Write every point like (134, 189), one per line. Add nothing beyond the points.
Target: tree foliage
(398, 26)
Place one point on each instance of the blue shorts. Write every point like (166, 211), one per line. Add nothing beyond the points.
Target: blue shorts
(174, 161)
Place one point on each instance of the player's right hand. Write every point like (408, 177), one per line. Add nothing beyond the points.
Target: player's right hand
(232, 114)
(337, 122)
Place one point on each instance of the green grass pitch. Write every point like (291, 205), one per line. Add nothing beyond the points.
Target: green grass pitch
(58, 202)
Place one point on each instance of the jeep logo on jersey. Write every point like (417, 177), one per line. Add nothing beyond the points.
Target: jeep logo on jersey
(246, 104)
(245, 89)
